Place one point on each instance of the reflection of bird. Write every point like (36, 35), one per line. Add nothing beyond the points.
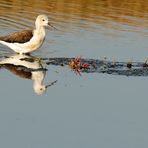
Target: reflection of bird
(27, 40)
(27, 67)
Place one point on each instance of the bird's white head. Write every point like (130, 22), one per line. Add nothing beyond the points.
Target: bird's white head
(40, 89)
(41, 20)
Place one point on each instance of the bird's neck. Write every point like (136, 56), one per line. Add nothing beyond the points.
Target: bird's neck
(38, 77)
(40, 30)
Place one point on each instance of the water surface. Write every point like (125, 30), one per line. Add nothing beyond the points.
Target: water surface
(92, 110)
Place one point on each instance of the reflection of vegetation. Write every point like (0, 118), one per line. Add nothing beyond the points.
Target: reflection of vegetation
(135, 7)
(114, 10)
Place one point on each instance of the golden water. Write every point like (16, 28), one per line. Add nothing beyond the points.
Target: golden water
(89, 28)
(109, 13)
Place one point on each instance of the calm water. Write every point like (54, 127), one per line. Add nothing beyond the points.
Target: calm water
(88, 111)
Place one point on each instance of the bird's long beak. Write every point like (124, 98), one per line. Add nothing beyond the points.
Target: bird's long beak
(52, 26)
(52, 83)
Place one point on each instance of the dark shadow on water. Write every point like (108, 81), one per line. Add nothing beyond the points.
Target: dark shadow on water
(103, 66)
(34, 68)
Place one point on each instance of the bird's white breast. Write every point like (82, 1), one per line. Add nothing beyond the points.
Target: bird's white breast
(35, 42)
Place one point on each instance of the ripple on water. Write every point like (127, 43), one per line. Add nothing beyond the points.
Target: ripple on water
(91, 20)
(74, 13)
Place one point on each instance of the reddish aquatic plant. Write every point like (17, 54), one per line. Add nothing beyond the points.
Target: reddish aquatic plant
(77, 66)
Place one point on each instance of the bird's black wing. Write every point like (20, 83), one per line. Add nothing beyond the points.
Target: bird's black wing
(18, 37)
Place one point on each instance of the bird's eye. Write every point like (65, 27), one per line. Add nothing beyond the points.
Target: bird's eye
(43, 20)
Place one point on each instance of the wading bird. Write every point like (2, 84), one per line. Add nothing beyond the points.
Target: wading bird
(28, 40)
